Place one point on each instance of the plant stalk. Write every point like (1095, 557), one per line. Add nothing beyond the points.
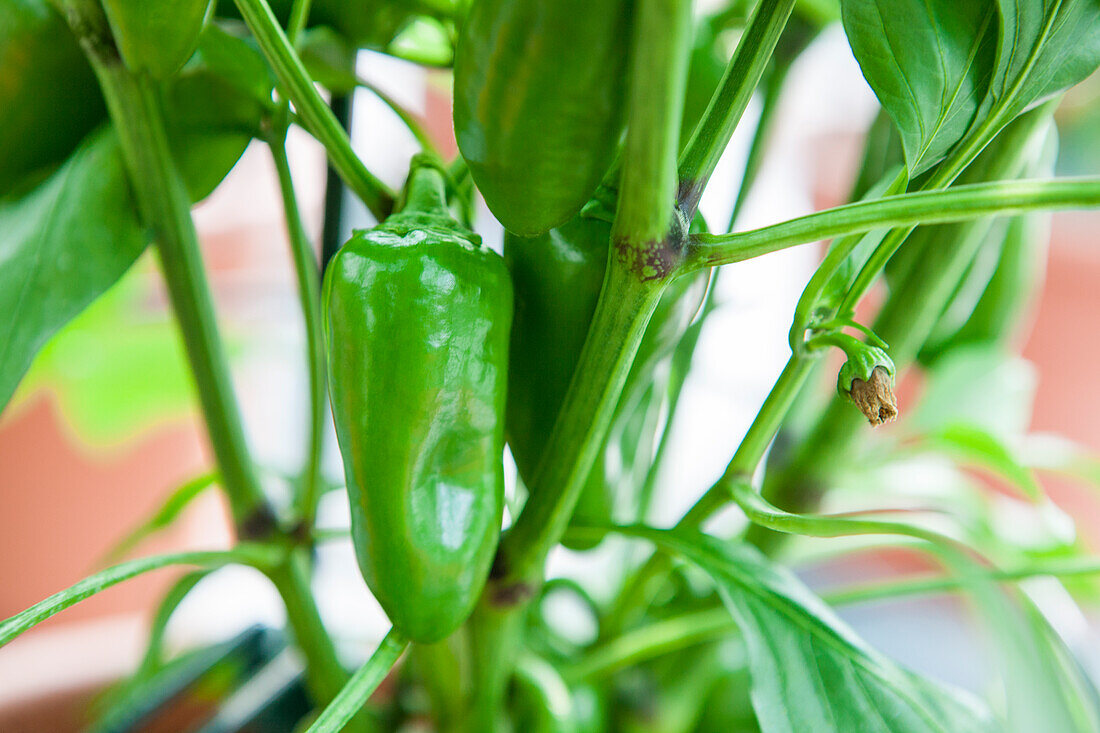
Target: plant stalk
(901, 212)
(317, 116)
(307, 275)
(712, 134)
(162, 200)
(646, 238)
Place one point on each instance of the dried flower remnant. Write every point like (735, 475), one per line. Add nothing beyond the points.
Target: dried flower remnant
(875, 397)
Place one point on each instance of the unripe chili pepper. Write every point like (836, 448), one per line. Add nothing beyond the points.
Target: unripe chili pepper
(49, 98)
(538, 104)
(417, 317)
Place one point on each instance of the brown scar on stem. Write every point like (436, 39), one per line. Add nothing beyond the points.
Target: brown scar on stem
(875, 397)
(654, 260)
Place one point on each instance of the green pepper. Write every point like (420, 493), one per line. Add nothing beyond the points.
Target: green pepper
(49, 98)
(557, 278)
(417, 314)
(538, 104)
(156, 37)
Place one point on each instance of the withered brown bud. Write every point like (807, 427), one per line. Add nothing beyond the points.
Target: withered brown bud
(875, 397)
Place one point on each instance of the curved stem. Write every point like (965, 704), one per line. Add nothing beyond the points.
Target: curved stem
(133, 104)
(653, 640)
(365, 680)
(319, 119)
(713, 133)
(308, 278)
(260, 556)
(1000, 198)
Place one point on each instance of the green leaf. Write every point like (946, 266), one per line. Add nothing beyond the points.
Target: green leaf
(928, 62)
(256, 555)
(971, 444)
(214, 107)
(61, 245)
(168, 512)
(423, 41)
(159, 39)
(154, 650)
(1045, 46)
(810, 672)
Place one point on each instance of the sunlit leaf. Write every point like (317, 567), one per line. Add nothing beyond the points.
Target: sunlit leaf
(928, 61)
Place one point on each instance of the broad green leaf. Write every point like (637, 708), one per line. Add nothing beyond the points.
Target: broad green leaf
(423, 41)
(168, 512)
(810, 672)
(214, 107)
(1045, 46)
(928, 62)
(156, 39)
(61, 245)
(971, 444)
(256, 555)
(68, 240)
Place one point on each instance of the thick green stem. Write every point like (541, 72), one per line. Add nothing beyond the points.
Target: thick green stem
(308, 278)
(904, 211)
(134, 107)
(326, 676)
(647, 187)
(713, 133)
(617, 328)
(646, 241)
(322, 123)
(165, 208)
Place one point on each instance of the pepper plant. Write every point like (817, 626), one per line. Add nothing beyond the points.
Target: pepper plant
(591, 131)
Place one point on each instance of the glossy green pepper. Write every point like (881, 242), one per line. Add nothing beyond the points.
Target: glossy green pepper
(538, 104)
(156, 37)
(417, 315)
(557, 278)
(49, 98)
